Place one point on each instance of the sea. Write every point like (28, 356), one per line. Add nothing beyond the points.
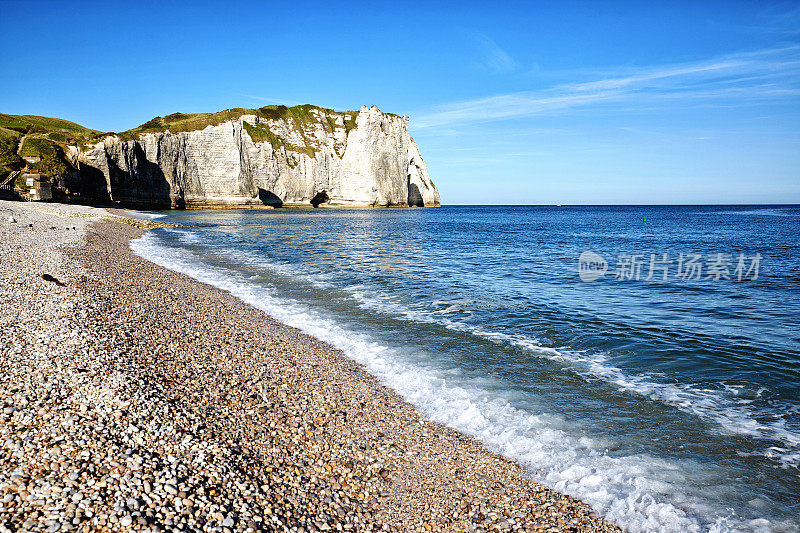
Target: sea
(644, 359)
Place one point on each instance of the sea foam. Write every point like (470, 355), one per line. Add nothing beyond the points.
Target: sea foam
(730, 413)
(638, 492)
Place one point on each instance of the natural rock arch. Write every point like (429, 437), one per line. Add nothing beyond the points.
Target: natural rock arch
(320, 198)
(415, 196)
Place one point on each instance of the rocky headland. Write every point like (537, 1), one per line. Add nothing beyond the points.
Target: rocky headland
(273, 156)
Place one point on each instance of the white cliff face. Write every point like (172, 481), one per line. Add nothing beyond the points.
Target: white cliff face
(323, 159)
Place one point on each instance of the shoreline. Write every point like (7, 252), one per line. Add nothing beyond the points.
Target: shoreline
(213, 415)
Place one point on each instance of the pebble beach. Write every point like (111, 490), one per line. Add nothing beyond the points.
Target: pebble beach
(134, 398)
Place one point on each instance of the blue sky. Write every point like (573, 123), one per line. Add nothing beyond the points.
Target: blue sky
(524, 103)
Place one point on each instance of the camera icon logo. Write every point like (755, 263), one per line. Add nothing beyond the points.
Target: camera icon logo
(591, 266)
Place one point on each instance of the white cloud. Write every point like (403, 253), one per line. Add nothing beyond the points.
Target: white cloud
(492, 57)
(741, 78)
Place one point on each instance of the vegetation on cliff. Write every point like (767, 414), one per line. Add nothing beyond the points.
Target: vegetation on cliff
(9, 160)
(42, 140)
(33, 124)
(46, 138)
(52, 160)
(300, 118)
(182, 122)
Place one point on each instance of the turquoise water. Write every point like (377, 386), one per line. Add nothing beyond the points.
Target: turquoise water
(668, 405)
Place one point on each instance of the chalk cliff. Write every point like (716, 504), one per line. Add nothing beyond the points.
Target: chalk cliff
(274, 156)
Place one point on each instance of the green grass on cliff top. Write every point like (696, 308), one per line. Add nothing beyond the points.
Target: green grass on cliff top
(52, 160)
(300, 115)
(178, 122)
(44, 137)
(9, 140)
(66, 132)
(24, 123)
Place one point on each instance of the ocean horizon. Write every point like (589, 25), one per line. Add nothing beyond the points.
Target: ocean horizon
(644, 359)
